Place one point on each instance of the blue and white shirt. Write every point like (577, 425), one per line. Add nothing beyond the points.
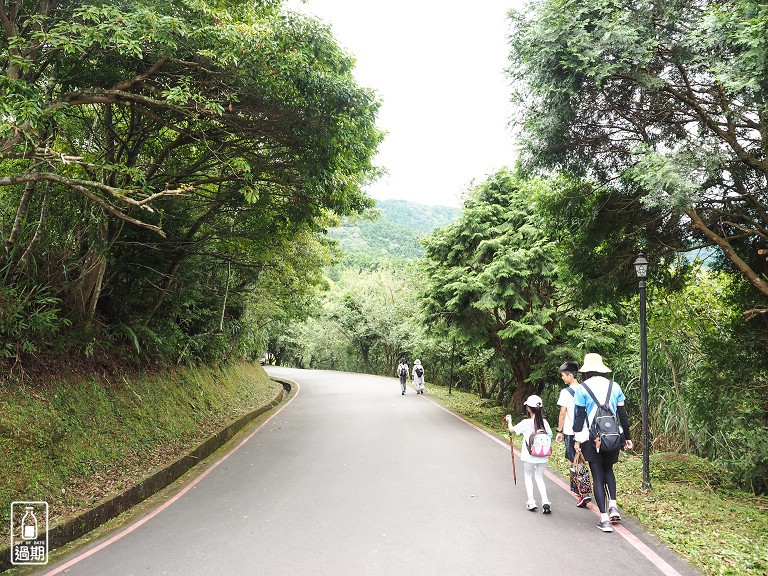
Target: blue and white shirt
(599, 387)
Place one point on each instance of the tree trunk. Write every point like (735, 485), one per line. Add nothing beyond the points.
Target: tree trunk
(18, 222)
(83, 293)
(365, 351)
(36, 237)
(482, 389)
(523, 389)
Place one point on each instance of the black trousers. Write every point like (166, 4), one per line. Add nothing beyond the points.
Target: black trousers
(603, 478)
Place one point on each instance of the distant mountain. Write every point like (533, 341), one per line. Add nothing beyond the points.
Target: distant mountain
(394, 235)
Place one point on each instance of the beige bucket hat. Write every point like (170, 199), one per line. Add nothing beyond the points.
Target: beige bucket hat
(594, 363)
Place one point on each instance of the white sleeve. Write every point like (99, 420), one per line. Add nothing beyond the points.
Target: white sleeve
(521, 427)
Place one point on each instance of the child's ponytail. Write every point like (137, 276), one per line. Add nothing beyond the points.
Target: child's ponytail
(538, 419)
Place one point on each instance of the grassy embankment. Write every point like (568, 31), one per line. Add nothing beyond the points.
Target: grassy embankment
(74, 443)
(719, 530)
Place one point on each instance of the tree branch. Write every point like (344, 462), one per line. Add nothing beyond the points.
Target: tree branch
(118, 193)
(730, 253)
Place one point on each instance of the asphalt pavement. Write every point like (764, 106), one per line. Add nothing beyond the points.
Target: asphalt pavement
(351, 478)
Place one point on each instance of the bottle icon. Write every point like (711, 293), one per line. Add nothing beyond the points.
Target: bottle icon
(29, 525)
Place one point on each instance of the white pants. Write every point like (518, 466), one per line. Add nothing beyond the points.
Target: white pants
(530, 471)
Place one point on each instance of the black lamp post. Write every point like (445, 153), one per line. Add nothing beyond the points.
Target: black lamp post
(641, 268)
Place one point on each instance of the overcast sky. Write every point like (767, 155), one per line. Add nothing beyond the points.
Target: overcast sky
(438, 68)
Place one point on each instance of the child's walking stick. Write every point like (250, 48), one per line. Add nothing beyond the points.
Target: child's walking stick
(512, 450)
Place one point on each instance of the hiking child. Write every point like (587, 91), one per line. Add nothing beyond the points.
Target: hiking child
(418, 376)
(402, 372)
(537, 447)
(568, 371)
(601, 443)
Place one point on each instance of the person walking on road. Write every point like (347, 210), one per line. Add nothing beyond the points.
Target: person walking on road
(568, 373)
(402, 372)
(537, 436)
(418, 376)
(597, 389)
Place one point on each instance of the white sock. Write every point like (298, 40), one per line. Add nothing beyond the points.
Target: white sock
(612, 504)
(603, 517)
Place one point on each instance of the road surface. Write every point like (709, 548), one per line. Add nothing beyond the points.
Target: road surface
(351, 478)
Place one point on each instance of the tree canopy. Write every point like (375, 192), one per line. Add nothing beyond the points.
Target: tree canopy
(664, 106)
(153, 145)
(491, 275)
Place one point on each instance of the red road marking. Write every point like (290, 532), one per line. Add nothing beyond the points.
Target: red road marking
(157, 511)
(633, 540)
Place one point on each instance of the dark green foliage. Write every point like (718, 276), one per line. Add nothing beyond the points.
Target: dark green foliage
(655, 116)
(490, 277)
(664, 107)
(186, 161)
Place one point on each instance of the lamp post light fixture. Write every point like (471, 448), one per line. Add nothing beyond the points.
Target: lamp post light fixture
(641, 269)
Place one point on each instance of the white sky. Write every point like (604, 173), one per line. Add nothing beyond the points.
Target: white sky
(438, 68)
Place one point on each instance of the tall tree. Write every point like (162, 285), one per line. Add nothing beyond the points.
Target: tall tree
(173, 132)
(491, 274)
(665, 105)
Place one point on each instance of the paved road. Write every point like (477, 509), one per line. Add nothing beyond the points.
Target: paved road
(351, 478)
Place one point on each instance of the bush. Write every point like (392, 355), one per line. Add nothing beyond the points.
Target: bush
(28, 315)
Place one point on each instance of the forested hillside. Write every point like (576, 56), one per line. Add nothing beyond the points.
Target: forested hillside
(393, 233)
(651, 142)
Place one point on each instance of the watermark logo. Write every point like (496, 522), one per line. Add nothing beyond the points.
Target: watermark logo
(29, 533)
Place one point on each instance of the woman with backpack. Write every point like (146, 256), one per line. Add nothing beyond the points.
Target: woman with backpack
(402, 373)
(537, 448)
(600, 402)
(418, 376)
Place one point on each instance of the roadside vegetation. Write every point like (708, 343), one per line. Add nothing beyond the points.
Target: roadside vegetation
(642, 131)
(691, 508)
(76, 442)
(167, 173)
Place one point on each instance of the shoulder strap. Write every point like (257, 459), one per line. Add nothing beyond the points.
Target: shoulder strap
(588, 389)
(571, 391)
(528, 437)
(608, 396)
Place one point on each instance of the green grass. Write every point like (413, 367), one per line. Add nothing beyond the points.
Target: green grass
(719, 530)
(74, 443)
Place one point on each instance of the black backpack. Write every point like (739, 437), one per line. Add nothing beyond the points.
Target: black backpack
(605, 425)
(419, 371)
(403, 371)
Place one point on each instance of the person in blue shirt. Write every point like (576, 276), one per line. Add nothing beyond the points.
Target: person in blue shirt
(600, 461)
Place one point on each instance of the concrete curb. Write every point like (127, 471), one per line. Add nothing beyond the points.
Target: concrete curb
(78, 526)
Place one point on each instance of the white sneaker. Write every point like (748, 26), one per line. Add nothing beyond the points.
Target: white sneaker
(531, 507)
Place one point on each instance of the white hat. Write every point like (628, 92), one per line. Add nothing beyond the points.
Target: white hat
(417, 361)
(534, 401)
(594, 363)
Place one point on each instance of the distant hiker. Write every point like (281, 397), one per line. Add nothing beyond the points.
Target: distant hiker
(565, 422)
(402, 372)
(537, 446)
(600, 400)
(418, 376)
